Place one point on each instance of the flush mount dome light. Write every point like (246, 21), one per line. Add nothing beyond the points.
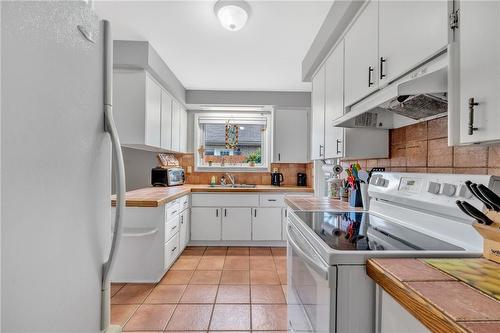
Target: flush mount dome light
(232, 14)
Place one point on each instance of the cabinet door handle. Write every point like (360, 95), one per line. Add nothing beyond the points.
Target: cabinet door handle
(286, 212)
(279, 157)
(320, 150)
(217, 213)
(255, 212)
(338, 142)
(472, 104)
(225, 212)
(382, 61)
(370, 72)
(182, 219)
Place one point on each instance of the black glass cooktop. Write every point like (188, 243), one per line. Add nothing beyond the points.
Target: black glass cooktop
(365, 232)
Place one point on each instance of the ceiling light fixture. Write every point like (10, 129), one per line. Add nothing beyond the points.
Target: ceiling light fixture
(232, 14)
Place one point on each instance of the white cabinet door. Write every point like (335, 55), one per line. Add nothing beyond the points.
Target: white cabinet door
(236, 224)
(184, 229)
(409, 33)
(479, 45)
(361, 55)
(183, 130)
(266, 224)
(166, 120)
(334, 102)
(205, 223)
(153, 113)
(176, 122)
(318, 115)
(290, 136)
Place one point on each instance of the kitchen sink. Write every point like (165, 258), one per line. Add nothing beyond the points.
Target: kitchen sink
(235, 186)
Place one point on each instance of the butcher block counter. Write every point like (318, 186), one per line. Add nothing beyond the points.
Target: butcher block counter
(157, 196)
(298, 202)
(463, 295)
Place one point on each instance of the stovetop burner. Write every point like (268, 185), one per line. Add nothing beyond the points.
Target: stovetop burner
(361, 231)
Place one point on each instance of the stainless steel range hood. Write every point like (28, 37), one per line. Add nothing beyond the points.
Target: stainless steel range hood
(418, 96)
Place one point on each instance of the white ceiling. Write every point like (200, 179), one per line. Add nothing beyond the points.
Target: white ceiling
(265, 55)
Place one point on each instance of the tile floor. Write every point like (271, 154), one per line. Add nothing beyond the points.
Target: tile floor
(209, 289)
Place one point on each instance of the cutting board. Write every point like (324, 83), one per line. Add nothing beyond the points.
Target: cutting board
(479, 273)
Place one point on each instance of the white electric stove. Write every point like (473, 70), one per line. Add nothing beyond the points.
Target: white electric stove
(410, 215)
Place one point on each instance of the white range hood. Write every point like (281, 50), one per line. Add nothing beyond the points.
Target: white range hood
(418, 96)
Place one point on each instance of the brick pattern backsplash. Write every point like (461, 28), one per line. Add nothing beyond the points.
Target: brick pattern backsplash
(289, 171)
(423, 147)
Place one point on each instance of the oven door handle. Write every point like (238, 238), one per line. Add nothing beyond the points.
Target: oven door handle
(318, 267)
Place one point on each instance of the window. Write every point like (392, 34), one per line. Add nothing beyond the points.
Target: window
(233, 141)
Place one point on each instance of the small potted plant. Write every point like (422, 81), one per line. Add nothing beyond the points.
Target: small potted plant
(254, 158)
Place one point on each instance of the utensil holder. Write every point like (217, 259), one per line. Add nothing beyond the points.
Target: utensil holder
(355, 198)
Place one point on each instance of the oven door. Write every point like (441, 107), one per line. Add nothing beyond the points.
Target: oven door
(311, 300)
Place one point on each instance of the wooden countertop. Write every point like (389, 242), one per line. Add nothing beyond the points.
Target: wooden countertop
(157, 196)
(440, 301)
(298, 202)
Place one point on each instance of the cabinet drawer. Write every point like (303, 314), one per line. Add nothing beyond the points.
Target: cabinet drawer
(272, 200)
(225, 200)
(171, 251)
(171, 227)
(172, 208)
(184, 202)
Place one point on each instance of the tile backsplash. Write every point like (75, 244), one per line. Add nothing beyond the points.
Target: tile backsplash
(423, 147)
(289, 171)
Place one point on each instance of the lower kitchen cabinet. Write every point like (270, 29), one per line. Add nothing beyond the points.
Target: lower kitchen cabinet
(266, 223)
(172, 250)
(236, 223)
(185, 229)
(206, 223)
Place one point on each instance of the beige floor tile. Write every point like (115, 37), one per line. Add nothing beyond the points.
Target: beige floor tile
(150, 317)
(237, 262)
(166, 293)
(265, 263)
(132, 294)
(194, 252)
(230, 317)
(233, 294)
(269, 317)
(285, 292)
(238, 251)
(211, 263)
(266, 294)
(199, 294)
(278, 251)
(185, 264)
(190, 317)
(260, 251)
(121, 313)
(206, 277)
(177, 277)
(216, 251)
(235, 277)
(264, 277)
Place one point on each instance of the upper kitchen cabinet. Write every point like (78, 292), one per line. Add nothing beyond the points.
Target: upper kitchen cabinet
(183, 130)
(318, 115)
(290, 136)
(410, 32)
(361, 55)
(137, 105)
(334, 102)
(166, 120)
(479, 71)
(176, 124)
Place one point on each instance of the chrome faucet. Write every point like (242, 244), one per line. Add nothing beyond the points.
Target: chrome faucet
(231, 178)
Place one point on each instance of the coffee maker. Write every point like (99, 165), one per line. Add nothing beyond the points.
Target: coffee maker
(276, 178)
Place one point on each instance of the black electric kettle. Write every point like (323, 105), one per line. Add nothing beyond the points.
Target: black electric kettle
(276, 178)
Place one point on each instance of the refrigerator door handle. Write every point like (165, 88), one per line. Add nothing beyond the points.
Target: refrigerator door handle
(110, 127)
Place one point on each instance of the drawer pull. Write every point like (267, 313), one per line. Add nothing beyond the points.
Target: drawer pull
(173, 227)
(175, 248)
(175, 211)
(271, 200)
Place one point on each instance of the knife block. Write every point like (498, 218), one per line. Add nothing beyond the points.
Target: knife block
(491, 236)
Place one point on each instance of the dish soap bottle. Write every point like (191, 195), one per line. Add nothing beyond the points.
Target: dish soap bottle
(212, 181)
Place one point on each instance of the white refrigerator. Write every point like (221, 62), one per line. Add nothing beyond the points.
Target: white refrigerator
(56, 156)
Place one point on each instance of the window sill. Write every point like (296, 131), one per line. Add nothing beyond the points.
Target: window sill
(232, 169)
